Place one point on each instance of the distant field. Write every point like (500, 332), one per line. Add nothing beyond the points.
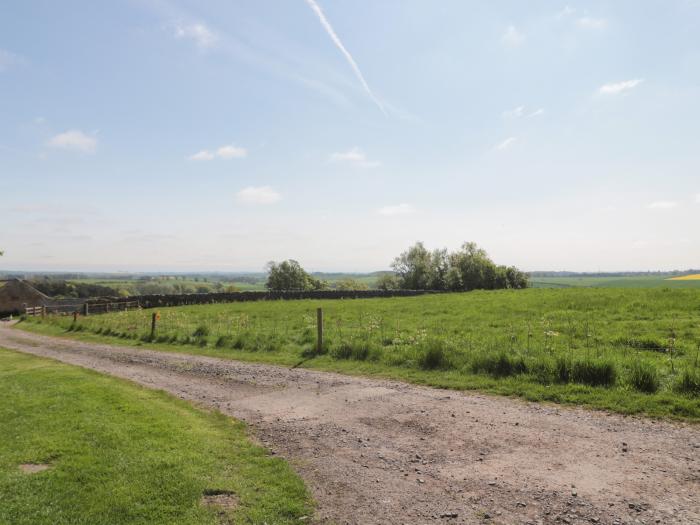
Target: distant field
(630, 350)
(615, 282)
(118, 454)
(191, 285)
(692, 277)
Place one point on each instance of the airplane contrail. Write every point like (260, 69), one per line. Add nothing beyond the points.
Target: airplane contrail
(336, 40)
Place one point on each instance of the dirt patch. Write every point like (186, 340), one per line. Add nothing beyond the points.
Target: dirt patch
(33, 468)
(375, 451)
(222, 499)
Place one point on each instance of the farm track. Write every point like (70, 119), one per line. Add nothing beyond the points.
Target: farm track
(374, 451)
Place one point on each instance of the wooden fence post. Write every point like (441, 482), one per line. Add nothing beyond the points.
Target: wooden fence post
(154, 318)
(86, 309)
(319, 329)
(43, 311)
(75, 316)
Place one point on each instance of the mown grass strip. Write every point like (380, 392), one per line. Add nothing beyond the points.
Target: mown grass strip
(115, 453)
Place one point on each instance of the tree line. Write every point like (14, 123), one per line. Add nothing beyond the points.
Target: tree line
(469, 268)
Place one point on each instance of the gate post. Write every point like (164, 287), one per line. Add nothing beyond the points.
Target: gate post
(319, 330)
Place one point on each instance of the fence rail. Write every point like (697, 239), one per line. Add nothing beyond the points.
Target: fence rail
(34, 311)
(82, 308)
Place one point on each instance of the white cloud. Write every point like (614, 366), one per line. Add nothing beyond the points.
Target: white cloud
(356, 157)
(231, 152)
(224, 152)
(505, 144)
(662, 205)
(615, 88)
(587, 22)
(521, 112)
(258, 195)
(567, 11)
(397, 209)
(339, 44)
(697, 198)
(512, 37)
(74, 140)
(202, 155)
(8, 59)
(199, 33)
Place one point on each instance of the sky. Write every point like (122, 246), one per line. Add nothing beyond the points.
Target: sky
(178, 135)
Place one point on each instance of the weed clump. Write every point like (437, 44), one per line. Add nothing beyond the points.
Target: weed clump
(240, 342)
(224, 341)
(433, 355)
(499, 365)
(201, 331)
(643, 377)
(641, 344)
(688, 383)
(543, 371)
(593, 372)
(357, 350)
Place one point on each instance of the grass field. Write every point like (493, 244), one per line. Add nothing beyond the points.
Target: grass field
(120, 454)
(615, 282)
(691, 277)
(632, 351)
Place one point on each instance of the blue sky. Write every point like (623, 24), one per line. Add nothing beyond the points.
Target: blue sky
(219, 135)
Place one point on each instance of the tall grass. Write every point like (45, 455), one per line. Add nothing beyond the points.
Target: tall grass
(643, 377)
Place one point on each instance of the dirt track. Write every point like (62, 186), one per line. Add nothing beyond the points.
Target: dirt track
(375, 451)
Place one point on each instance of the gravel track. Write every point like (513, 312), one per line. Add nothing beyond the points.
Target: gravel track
(376, 451)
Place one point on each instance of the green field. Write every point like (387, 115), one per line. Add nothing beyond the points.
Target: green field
(120, 454)
(631, 350)
(612, 282)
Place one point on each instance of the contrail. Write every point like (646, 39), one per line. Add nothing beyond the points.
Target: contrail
(336, 40)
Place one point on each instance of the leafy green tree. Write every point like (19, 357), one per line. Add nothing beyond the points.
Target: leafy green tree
(469, 268)
(475, 268)
(290, 276)
(350, 284)
(516, 278)
(387, 281)
(413, 268)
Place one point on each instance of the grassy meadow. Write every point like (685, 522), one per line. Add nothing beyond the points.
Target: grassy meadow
(115, 453)
(635, 281)
(628, 350)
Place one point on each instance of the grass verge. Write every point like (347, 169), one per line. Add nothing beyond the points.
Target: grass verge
(116, 453)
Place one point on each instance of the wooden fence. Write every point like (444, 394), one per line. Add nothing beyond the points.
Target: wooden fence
(35, 311)
(84, 308)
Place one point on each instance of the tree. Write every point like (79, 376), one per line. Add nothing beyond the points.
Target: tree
(350, 284)
(469, 268)
(387, 281)
(413, 268)
(290, 276)
(475, 268)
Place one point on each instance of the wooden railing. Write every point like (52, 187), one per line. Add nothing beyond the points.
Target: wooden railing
(35, 311)
(84, 308)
